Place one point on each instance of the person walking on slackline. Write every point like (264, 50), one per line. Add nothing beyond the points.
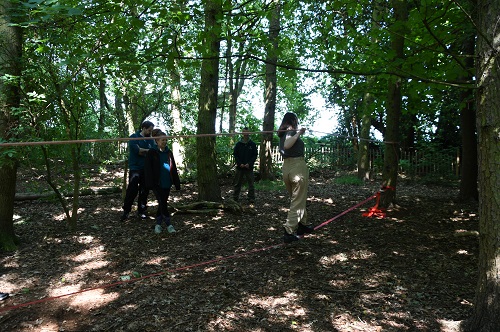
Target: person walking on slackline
(295, 177)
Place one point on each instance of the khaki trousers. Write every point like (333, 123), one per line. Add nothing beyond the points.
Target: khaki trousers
(296, 178)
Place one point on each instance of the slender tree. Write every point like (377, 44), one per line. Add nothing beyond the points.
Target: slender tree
(10, 73)
(394, 100)
(208, 184)
(266, 161)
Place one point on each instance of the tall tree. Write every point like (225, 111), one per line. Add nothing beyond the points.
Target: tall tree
(10, 73)
(394, 100)
(485, 317)
(208, 184)
(468, 170)
(366, 115)
(176, 110)
(266, 161)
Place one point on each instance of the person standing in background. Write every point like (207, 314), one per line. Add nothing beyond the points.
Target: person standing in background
(245, 154)
(161, 173)
(137, 152)
(295, 177)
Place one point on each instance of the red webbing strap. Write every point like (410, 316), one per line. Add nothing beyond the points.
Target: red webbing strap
(375, 211)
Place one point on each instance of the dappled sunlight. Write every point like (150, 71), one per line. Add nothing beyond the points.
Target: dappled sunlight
(42, 325)
(92, 265)
(64, 289)
(339, 283)
(377, 279)
(330, 260)
(396, 320)
(347, 322)
(226, 271)
(283, 209)
(158, 260)
(230, 228)
(280, 310)
(395, 220)
(97, 297)
(285, 306)
(211, 269)
(464, 232)
(322, 200)
(86, 239)
(195, 225)
(62, 216)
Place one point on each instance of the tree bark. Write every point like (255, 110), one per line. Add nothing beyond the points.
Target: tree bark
(486, 317)
(363, 145)
(177, 145)
(468, 162)
(391, 152)
(10, 64)
(208, 184)
(266, 160)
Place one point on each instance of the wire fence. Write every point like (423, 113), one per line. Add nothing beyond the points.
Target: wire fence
(412, 162)
(428, 161)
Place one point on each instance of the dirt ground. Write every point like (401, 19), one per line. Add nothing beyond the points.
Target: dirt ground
(412, 271)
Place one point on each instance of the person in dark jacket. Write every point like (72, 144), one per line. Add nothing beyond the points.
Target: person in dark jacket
(137, 153)
(245, 154)
(161, 174)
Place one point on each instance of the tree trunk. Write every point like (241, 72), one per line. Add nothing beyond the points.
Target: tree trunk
(266, 160)
(208, 184)
(10, 64)
(366, 117)
(391, 152)
(363, 145)
(77, 174)
(486, 317)
(236, 81)
(177, 145)
(468, 162)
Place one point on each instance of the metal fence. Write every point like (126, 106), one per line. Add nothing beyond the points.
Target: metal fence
(413, 162)
(341, 157)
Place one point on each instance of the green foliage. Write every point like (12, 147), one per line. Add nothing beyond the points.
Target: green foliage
(138, 49)
(266, 185)
(224, 150)
(349, 179)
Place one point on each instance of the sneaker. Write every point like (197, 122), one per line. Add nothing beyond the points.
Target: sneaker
(304, 229)
(142, 215)
(4, 296)
(288, 238)
(158, 229)
(171, 229)
(124, 216)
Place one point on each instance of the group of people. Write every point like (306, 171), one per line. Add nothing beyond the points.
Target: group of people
(152, 167)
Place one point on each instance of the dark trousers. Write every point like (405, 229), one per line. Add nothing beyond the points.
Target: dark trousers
(162, 195)
(136, 185)
(241, 176)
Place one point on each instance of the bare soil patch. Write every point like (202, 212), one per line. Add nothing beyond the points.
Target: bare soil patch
(412, 271)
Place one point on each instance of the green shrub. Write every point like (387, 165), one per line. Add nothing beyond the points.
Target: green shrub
(349, 179)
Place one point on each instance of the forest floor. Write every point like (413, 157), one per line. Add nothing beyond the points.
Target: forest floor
(415, 270)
